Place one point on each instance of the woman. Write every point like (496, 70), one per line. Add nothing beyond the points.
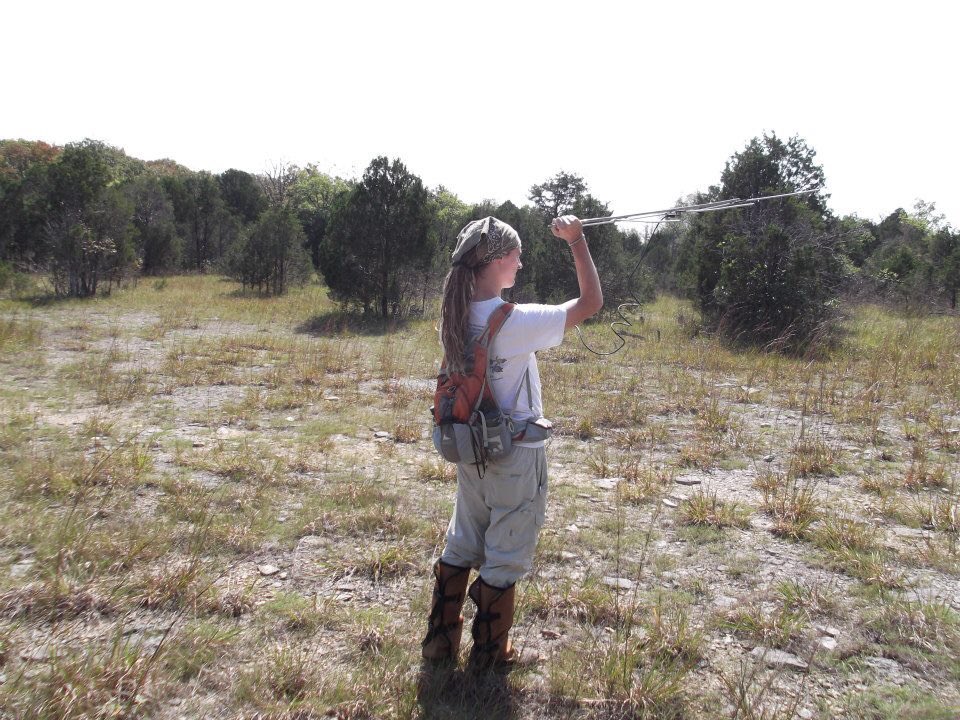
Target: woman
(497, 517)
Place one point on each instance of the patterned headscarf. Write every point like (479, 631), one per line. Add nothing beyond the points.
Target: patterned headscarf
(495, 238)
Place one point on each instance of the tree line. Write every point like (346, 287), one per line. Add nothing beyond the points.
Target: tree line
(91, 217)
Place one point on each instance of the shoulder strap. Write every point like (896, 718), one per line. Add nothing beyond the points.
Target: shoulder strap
(525, 380)
(496, 320)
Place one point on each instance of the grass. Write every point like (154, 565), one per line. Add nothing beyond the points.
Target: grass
(169, 442)
(888, 702)
(774, 627)
(706, 508)
(839, 533)
(792, 504)
(97, 682)
(197, 648)
(589, 601)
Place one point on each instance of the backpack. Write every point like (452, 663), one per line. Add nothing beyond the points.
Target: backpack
(469, 426)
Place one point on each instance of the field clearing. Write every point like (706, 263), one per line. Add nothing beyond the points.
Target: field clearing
(217, 505)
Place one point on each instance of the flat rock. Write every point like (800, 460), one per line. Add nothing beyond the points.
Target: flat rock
(828, 643)
(669, 503)
(21, 569)
(880, 663)
(778, 658)
(308, 541)
(906, 532)
(619, 583)
(381, 434)
(607, 483)
(268, 570)
(38, 653)
(687, 481)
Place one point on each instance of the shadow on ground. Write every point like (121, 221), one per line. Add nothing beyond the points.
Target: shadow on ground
(338, 322)
(449, 692)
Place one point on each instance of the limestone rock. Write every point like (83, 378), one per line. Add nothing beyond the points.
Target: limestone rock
(619, 583)
(778, 658)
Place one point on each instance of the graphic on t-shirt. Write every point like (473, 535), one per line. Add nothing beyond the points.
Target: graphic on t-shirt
(496, 365)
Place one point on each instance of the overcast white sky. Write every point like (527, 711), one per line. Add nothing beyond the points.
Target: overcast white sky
(646, 103)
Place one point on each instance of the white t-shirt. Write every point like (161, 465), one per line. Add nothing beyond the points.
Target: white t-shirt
(529, 328)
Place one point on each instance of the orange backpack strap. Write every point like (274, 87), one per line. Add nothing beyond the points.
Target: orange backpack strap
(496, 320)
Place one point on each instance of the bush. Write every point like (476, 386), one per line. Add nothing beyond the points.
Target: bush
(271, 256)
(769, 275)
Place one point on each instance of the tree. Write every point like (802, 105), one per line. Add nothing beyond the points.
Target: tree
(858, 237)
(450, 215)
(242, 195)
(555, 276)
(379, 242)
(313, 196)
(88, 226)
(768, 275)
(277, 182)
(912, 256)
(945, 254)
(203, 221)
(558, 194)
(271, 256)
(23, 199)
(158, 247)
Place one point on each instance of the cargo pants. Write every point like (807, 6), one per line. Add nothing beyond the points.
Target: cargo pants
(497, 518)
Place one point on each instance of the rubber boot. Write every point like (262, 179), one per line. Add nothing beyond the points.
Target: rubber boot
(445, 624)
(491, 626)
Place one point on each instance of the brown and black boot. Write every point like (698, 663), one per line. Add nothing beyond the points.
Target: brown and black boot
(445, 624)
(491, 626)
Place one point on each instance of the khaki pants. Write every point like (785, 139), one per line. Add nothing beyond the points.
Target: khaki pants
(497, 518)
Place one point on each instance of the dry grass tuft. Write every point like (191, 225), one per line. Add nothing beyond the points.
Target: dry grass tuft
(707, 509)
(792, 505)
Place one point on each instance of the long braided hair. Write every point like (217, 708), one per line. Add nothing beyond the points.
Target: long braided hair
(460, 285)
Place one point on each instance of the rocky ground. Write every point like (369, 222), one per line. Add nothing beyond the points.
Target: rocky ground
(248, 510)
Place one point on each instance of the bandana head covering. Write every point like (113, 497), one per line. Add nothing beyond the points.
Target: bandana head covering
(494, 237)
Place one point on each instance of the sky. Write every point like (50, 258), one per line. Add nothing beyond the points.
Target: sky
(645, 102)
